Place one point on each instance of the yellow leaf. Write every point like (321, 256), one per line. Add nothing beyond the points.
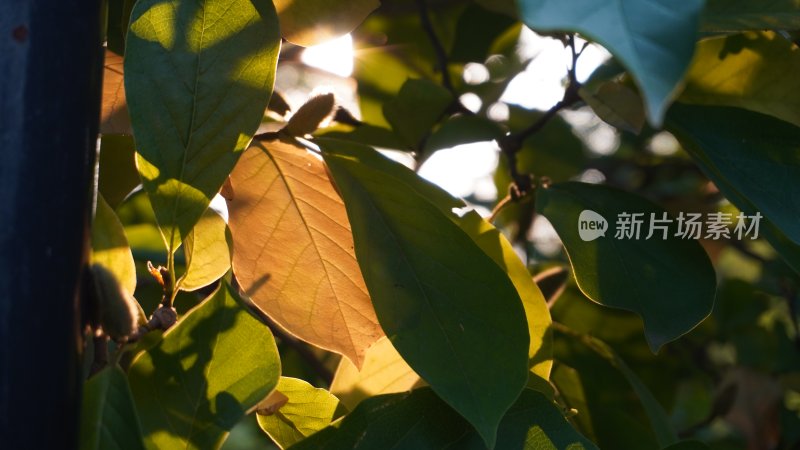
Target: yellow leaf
(293, 249)
(753, 70)
(384, 372)
(114, 117)
(208, 252)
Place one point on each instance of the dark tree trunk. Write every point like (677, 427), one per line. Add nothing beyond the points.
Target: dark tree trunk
(50, 86)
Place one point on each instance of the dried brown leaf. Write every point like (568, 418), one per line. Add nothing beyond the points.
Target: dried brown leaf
(293, 249)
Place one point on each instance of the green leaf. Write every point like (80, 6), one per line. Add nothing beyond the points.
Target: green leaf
(659, 420)
(756, 156)
(555, 151)
(462, 130)
(533, 423)
(109, 420)
(478, 27)
(307, 411)
(198, 78)
(366, 134)
(617, 104)
(654, 39)
(311, 22)
(110, 246)
(208, 251)
(569, 385)
(418, 106)
(118, 176)
(430, 284)
(206, 373)
(669, 282)
(740, 15)
(421, 421)
(119, 13)
(754, 71)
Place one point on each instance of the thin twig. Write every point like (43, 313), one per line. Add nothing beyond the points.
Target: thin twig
(438, 48)
(498, 208)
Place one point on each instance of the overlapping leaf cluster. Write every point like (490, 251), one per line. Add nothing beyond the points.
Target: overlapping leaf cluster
(446, 339)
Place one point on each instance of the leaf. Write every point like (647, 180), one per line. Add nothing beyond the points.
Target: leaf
(117, 176)
(617, 105)
(753, 155)
(114, 117)
(430, 284)
(753, 71)
(421, 421)
(555, 152)
(654, 39)
(293, 250)
(198, 79)
(462, 130)
(417, 108)
(669, 282)
(533, 423)
(478, 27)
(384, 372)
(655, 413)
(364, 134)
(307, 119)
(569, 385)
(110, 246)
(740, 15)
(109, 420)
(119, 13)
(307, 411)
(206, 373)
(208, 252)
(312, 22)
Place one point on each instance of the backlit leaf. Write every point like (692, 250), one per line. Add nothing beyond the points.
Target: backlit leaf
(204, 375)
(311, 22)
(208, 252)
(754, 71)
(198, 77)
(114, 115)
(654, 39)
(669, 282)
(110, 246)
(444, 303)
(307, 411)
(293, 249)
(384, 372)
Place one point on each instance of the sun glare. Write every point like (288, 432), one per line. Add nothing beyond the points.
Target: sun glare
(335, 56)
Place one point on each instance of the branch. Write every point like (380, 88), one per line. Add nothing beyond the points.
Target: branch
(511, 144)
(438, 48)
